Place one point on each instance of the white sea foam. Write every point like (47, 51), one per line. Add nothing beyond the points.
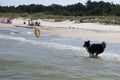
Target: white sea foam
(12, 38)
(12, 33)
(110, 57)
(29, 33)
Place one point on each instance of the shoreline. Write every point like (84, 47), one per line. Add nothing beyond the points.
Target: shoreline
(84, 34)
(101, 32)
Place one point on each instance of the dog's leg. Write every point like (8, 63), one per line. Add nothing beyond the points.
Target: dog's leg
(96, 55)
(90, 54)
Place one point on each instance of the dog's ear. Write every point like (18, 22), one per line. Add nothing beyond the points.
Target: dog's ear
(88, 40)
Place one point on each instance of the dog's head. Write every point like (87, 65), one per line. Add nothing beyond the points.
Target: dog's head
(86, 44)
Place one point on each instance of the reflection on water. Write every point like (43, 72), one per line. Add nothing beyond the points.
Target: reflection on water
(25, 58)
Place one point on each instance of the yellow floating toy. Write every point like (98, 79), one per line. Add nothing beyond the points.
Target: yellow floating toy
(37, 32)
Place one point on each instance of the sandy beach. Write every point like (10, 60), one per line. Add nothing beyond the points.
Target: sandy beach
(97, 31)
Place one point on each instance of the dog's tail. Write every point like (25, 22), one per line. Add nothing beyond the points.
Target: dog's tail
(103, 44)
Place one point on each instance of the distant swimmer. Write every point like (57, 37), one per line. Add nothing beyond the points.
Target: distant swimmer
(37, 32)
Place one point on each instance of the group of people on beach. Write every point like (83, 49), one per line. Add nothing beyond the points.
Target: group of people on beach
(32, 23)
(6, 21)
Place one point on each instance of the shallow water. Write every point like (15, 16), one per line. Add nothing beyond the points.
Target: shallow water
(24, 57)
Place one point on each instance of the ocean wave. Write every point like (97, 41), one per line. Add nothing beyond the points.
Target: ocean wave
(28, 33)
(78, 51)
(105, 56)
(14, 31)
(110, 57)
(48, 44)
(12, 38)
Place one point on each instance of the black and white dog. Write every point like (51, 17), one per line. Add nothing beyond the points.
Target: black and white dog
(94, 49)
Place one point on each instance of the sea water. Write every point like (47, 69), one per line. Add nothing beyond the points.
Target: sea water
(51, 57)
